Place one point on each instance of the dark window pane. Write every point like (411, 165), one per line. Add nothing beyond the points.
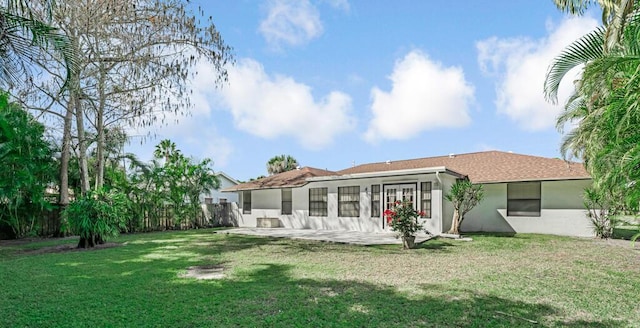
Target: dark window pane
(318, 202)
(425, 198)
(349, 201)
(375, 201)
(524, 199)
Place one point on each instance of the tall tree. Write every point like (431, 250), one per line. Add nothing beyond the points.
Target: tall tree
(27, 169)
(281, 163)
(605, 108)
(135, 61)
(615, 14)
(165, 150)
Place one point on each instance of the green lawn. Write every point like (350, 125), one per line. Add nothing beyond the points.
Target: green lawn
(492, 281)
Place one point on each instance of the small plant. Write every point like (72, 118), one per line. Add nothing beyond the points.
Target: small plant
(464, 196)
(600, 212)
(403, 219)
(97, 216)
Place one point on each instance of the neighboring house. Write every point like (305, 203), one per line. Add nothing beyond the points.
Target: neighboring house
(220, 196)
(523, 193)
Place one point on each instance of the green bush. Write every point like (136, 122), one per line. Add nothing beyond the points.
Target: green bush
(97, 216)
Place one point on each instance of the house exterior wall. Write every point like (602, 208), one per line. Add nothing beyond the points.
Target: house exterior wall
(216, 195)
(447, 207)
(562, 211)
(267, 203)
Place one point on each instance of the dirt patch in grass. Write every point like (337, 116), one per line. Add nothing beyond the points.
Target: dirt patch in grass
(205, 272)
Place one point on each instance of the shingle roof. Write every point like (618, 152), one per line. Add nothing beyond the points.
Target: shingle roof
(481, 167)
(487, 167)
(293, 178)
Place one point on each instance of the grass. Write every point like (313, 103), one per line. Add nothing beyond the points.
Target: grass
(493, 281)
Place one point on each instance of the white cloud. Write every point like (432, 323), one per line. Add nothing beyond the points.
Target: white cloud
(424, 95)
(339, 4)
(520, 65)
(292, 22)
(275, 106)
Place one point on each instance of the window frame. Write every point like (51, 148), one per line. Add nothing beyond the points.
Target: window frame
(286, 203)
(425, 199)
(318, 201)
(376, 201)
(349, 201)
(246, 209)
(535, 200)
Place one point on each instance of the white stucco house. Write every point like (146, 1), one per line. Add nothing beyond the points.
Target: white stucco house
(220, 196)
(523, 194)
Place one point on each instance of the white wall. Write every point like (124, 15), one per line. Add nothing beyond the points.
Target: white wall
(267, 203)
(231, 197)
(447, 207)
(562, 211)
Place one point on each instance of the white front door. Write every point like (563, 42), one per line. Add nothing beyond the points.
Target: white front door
(399, 192)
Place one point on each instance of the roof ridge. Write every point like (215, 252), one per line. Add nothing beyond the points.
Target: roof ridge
(429, 157)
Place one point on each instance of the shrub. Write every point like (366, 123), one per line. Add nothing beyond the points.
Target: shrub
(97, 216)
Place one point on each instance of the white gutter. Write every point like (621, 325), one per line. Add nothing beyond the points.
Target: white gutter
(438, 178)
(379, 174)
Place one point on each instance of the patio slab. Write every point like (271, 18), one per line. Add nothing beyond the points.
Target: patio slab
(334, 236)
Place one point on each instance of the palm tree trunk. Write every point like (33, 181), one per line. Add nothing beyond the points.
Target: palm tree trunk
(455, 223)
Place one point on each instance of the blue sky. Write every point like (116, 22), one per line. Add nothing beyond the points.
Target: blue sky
(338, 82)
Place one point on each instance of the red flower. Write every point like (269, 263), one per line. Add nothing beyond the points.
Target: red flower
(389, 213)
(422, 213)
(389, 219)
(397, 202)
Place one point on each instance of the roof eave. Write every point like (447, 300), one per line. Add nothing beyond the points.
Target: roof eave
(531, 179)
(381, 174)
(264, 188)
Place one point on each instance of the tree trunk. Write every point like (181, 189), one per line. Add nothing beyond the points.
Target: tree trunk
(65, 154)
(86, 242)
(455, 223)
(82, 145)
(100, 130)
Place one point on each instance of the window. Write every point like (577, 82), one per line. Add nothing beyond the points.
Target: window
(222, 200)
(425, 199)
(375, 201)
(208, 200)
(246, 202)
(318, 202)
(349, 201)
(287, 207)
(523, 199)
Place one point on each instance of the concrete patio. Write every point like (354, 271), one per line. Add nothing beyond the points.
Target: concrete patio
(334, 236)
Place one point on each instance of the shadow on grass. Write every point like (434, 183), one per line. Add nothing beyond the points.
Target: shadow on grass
(270, 297)
(490, 234)
(436, 244)
(126, 291)
(625, 233)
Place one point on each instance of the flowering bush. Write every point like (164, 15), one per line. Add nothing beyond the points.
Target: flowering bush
(403, 218)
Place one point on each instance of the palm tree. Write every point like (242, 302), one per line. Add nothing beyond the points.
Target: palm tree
(615, 14)
(22, 37)
(166, 149)
(605, 105)
(281, 163)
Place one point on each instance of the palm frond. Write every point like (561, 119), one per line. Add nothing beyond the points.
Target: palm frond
(581, 51)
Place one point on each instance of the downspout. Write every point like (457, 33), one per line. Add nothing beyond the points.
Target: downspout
(440, 201)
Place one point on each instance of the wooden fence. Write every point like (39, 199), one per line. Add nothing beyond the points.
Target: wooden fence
(211, 215)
